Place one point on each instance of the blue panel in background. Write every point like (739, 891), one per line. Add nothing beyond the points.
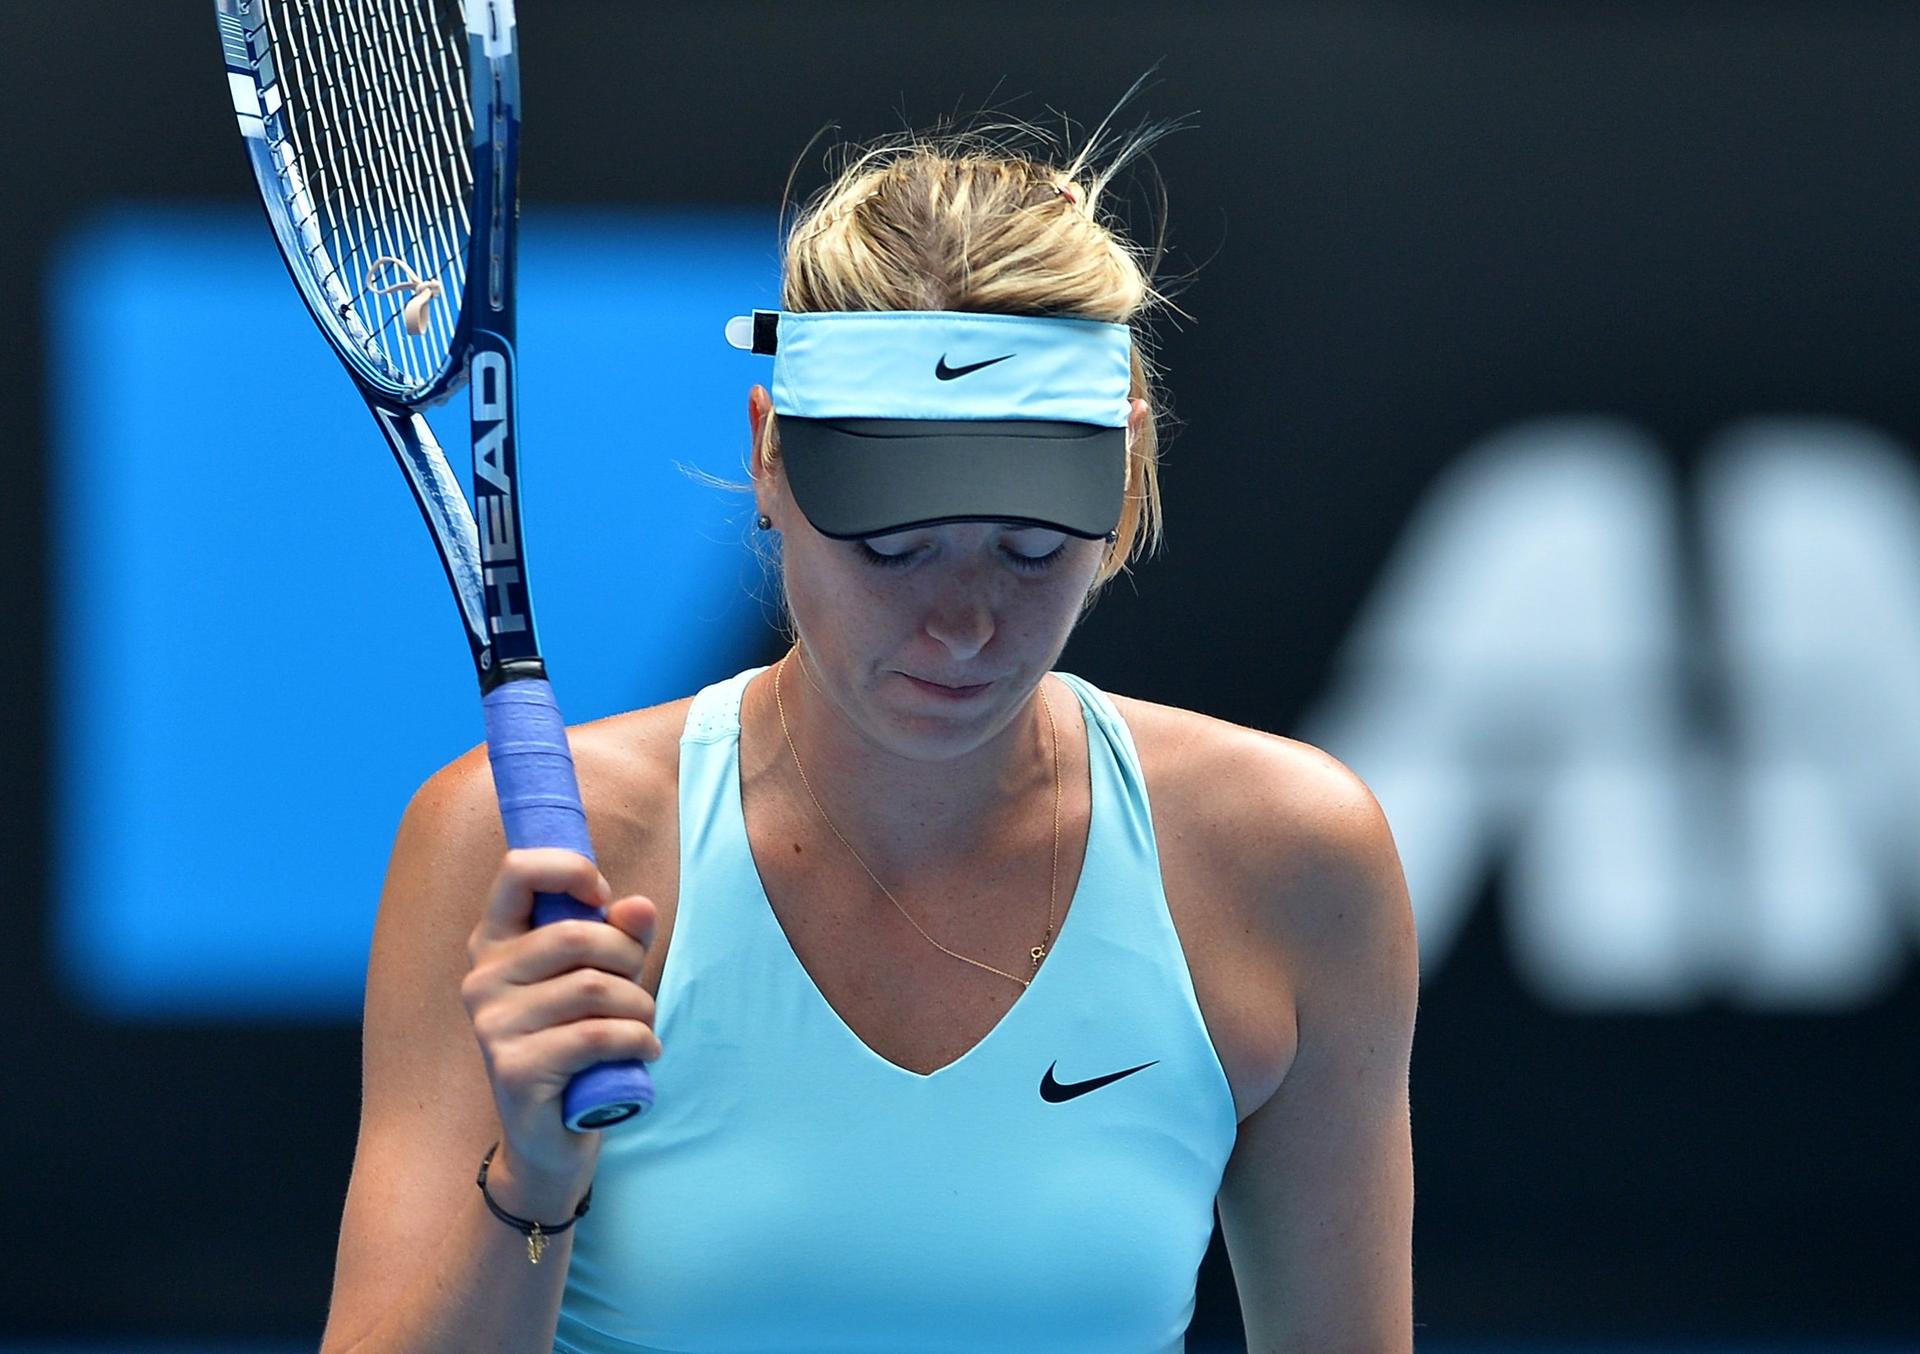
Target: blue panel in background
(258, 656)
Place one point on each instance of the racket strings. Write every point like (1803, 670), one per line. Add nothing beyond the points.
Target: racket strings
(397, 124)
(374, 160)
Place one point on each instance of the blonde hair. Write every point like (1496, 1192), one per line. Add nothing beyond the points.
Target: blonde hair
(974, 221)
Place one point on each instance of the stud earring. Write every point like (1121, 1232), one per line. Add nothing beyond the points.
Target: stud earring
(765, 523)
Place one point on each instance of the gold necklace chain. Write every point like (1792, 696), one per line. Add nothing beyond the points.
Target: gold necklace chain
(1038, 952)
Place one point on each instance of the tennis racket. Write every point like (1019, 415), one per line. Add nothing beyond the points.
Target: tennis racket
(384, 135)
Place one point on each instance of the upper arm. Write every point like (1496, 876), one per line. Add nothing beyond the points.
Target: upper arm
(1316, 1205)
(426, 1113)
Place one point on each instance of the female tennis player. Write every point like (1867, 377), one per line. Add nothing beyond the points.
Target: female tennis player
(967, 989)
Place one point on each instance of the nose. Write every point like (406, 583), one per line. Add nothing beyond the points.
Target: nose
(963, 624)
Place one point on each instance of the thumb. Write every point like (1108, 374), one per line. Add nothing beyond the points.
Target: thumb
(637, 915)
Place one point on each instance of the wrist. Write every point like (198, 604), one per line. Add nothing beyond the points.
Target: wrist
(540, 1196)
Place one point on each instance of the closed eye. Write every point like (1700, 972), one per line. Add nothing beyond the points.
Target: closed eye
(1025, 563)
(872, 556)
(1035, 563)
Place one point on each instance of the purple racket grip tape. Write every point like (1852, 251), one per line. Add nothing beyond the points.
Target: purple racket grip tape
(540, 806)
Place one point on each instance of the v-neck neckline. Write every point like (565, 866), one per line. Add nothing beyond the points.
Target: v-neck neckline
(762, 902)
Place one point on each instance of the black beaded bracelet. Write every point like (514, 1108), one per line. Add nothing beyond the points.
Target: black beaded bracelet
(537, 1233)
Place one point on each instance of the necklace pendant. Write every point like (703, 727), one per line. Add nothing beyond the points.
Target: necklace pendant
(536, 1243)
(1038, 952)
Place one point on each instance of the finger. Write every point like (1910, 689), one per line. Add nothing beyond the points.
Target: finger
(495, 990)
(529, 870)
(563, 946)
(579, 994)
(562, 1050)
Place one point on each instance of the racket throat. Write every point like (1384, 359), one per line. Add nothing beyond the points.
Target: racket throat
(496, 502)
(496, 675)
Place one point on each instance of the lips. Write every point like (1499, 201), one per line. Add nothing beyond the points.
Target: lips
(945, 688)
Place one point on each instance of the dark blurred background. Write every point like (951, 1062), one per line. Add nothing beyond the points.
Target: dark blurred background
(1543, 447)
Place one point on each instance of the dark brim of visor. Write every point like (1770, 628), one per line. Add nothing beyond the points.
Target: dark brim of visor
(857, 477)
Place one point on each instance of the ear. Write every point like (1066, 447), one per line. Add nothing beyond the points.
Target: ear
(759, 406)
(765, 488)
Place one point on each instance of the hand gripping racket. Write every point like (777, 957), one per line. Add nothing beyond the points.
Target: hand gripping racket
(384, 135)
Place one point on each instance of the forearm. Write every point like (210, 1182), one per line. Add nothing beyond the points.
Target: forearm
(480, 1294)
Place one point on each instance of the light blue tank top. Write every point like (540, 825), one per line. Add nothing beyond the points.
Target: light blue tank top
(794, 1191)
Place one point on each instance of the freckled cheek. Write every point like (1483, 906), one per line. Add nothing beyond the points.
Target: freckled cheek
(847, 610)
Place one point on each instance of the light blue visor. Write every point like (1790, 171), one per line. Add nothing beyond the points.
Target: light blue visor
(899, 418)
(949, 364)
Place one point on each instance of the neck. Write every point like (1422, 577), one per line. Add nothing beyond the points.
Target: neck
(900, 813)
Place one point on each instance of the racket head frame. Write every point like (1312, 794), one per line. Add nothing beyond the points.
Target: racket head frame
(490, 74)
(482, 547)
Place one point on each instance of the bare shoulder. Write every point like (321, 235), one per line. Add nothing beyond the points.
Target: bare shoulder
(1287, 825)
(1279, 826)
(627, 766)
